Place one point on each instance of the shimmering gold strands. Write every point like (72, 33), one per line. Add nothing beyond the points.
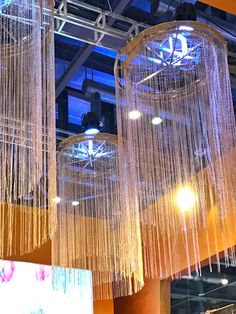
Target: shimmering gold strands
(181, 167)
(97, 229)
(27, 125)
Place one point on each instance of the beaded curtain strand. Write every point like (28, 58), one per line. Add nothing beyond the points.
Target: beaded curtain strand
(27, 125)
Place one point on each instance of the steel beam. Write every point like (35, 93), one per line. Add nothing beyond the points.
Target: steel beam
(199, 298)
(191, 1)
(228, 30)
(84, 53)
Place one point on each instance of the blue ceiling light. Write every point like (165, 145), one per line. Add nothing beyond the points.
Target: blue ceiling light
(90, 123)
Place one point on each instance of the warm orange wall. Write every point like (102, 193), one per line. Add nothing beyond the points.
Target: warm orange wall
(154, 298)
(104, 307)
(221, 235)
(224, 5)
(210, 236)
(39, 256)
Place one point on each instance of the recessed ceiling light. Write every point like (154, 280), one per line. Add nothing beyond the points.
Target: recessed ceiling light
(156, 120)
(75, 203)
(224, 281)
(134, 114)
(57, 199)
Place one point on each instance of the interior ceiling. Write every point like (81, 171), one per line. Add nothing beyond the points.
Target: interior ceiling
(77, 61)
(72, 54)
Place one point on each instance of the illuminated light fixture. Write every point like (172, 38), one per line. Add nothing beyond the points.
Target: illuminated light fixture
(75, 203)
(186, 199)
(57, 199)
(157, 120)
(94, 236)
(190, 84)
(134, 114)
(92, 131)
(185, 28)
(90, 123)
(224, 281)
(27, 124)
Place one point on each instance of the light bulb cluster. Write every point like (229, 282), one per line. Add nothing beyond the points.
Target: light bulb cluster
(57, 200)
(136, 114)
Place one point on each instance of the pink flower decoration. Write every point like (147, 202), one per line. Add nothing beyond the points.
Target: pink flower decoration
(43, 272)
(7, 269)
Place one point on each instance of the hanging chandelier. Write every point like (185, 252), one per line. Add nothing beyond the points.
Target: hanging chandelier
(175, 111)
(27, 125)
(97, 229)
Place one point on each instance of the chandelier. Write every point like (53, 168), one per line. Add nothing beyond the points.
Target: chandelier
(175, 112)
(27, 125)
(98, 229)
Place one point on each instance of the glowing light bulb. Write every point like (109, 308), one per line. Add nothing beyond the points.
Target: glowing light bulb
(57, 199)
(156, 120)
(186, 199)
(75, 203)
(134, 114)
(92, 131)
(185, 28)
(224, 281)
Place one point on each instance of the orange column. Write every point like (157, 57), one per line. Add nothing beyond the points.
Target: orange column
(154, 298)
(103, 307)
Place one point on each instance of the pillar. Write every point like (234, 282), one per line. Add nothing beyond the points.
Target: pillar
(154, 298)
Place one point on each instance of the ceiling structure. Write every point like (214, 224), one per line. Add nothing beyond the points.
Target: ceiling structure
(84, 30)
(88, 35)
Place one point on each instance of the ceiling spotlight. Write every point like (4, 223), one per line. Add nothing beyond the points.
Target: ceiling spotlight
(134, 114)
(75, 203)
(90, 123)
(224, 281)
(156, 120)
(186, 199)
(92, 131)
(57, 199)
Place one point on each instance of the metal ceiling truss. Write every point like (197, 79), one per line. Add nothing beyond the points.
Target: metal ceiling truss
(98, 27)
(94, 26)
(102, 39)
